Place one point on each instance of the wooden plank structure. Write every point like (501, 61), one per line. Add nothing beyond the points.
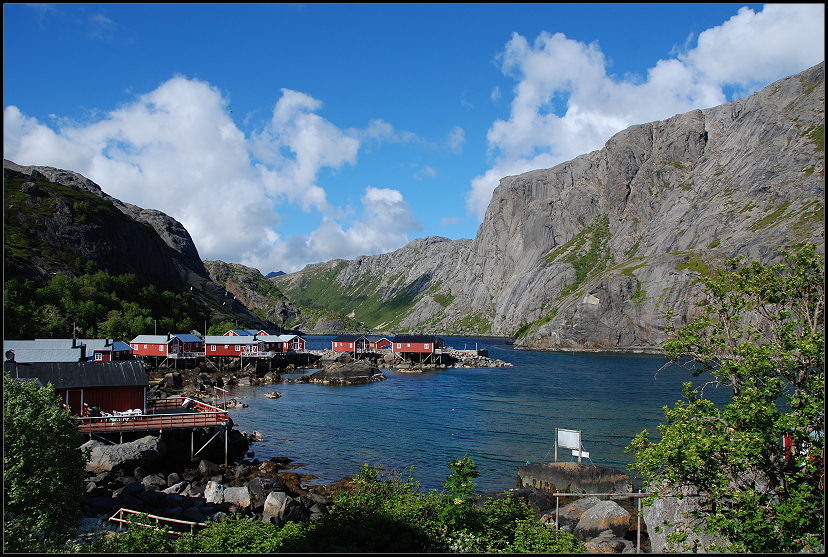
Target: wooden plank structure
(165, 413)
(122, 523)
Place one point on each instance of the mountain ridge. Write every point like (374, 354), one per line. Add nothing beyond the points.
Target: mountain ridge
(590, 254)
(587, 255)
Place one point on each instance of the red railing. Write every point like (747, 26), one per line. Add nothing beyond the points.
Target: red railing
(166, 413)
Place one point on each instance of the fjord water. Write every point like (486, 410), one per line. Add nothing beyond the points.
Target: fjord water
(501, 417)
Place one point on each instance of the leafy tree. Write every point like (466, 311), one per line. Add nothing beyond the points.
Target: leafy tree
(42, 468)
(758, 461)
(458, 493)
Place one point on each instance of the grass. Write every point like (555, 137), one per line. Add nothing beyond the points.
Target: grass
(589, 261)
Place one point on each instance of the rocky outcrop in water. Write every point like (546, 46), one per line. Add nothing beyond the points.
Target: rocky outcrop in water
(357, 372)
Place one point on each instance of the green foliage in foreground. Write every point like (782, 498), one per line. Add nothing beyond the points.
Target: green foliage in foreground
(761, 333)
(384, 513)
(98, 304)
(42, 468)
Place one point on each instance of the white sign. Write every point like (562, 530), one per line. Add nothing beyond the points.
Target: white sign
(569, 439)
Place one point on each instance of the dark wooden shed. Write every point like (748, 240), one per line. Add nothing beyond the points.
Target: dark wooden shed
(111, 386)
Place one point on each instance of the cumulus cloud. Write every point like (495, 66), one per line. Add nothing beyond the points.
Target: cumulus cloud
(456, 140)
(747, 52)
(176, 149)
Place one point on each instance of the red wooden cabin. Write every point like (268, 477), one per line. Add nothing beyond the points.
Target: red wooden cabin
(111, 386)
(156, 345)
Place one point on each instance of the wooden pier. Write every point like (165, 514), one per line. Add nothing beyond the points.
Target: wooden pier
(161, 414)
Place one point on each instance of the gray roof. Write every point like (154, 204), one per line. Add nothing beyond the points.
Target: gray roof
(40, 343)
(71, 375)
(230, 339)
(150, 339)
(29, 355)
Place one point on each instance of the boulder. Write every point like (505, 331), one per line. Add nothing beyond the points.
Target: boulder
(607, 542)
(207, 469)
(604, 515)
(239, 496)
(142, 452)
(214, 492)
(569, 515)
(275, 504)
(260, 488)
(155, 479)
(573, 477)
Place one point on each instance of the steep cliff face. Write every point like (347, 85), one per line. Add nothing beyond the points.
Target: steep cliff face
(591, 253)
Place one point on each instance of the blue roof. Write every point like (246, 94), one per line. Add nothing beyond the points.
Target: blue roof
(188, 337)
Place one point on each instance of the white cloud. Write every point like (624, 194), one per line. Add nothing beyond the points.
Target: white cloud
(456, 140)
(748, 51)
(176, 149)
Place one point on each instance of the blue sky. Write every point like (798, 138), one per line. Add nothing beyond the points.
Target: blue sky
(282, 135)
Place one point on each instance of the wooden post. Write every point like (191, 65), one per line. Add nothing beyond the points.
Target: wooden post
(638, 530)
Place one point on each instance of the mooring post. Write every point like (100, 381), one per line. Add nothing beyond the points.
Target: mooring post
(638, 530)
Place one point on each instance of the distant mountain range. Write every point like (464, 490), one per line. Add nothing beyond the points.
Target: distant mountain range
(589, 254)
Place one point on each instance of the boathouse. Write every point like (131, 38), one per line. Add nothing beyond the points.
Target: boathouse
(119, 391)
(156, 345)
(378, 343)
(115, 386)
(106, 350)
(354, 344)
(233, 345)
(419, 348)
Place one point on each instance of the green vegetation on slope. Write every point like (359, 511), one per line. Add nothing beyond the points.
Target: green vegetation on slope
(588, 260)
(97, 304)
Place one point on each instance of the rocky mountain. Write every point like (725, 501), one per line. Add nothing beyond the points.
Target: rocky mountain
(57, 220)
(590, 254)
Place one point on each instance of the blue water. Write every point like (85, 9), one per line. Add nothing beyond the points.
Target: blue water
(500, 417)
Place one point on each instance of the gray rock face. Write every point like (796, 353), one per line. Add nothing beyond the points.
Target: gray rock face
(107, 458)
(590, 254)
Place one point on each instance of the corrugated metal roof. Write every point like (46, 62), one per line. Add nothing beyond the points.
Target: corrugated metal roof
(188, 337)
(230, 339)
(72, 375)
(29, 355)
(150, 339)
(40, 343)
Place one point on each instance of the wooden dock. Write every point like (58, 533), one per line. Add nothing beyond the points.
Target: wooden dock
(162, 414)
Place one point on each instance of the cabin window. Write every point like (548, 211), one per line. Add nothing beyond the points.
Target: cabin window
(399, 345)
(212, 347)
(145, 347)
(98, 356)
(425, 346)
(238, 348)
(161, 348)
(408, 346)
